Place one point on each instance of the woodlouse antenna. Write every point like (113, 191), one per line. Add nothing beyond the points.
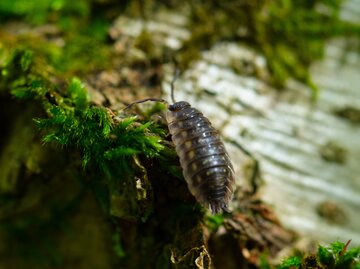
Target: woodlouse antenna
(146, 100)
(176, 75)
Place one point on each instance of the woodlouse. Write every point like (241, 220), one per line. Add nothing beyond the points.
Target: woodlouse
(206, 165)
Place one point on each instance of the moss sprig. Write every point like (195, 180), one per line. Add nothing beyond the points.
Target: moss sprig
(335, 256)
(107, 144)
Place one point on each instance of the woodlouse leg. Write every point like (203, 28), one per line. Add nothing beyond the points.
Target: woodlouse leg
(145, 100)
(216, 208)
(111, 112)
(226, 209)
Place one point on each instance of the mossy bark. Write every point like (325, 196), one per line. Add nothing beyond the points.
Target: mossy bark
(93, 201)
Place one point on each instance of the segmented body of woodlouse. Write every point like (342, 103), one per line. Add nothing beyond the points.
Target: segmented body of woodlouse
(206, 165)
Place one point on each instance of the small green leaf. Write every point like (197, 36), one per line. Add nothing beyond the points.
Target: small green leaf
(26, 59)
(22, 93)
(213, 222)
(118, 248)
(337, 248)
(119, 152)
(325, 256)
(78, 93)
(290, 263)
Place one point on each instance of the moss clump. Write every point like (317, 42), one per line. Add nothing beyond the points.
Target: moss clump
(214, 222)
(104, 142)
(81, 55)
(352, 114)
(40, 12)
(291, 34)
(336, 256)
(292, 262)
(120, 158)
(332, 152)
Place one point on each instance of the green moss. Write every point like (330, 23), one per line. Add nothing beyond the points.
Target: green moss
(39, 12)
(291, 34)
(145, 43)
(325, 256)
(336, 256)
(106, 144)
(214, 222)
(352, 114)
(118, 153)
(332, 152)
(80, 44)
(292, 262)
(134, 176)
(82, 54)
(118, 248)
